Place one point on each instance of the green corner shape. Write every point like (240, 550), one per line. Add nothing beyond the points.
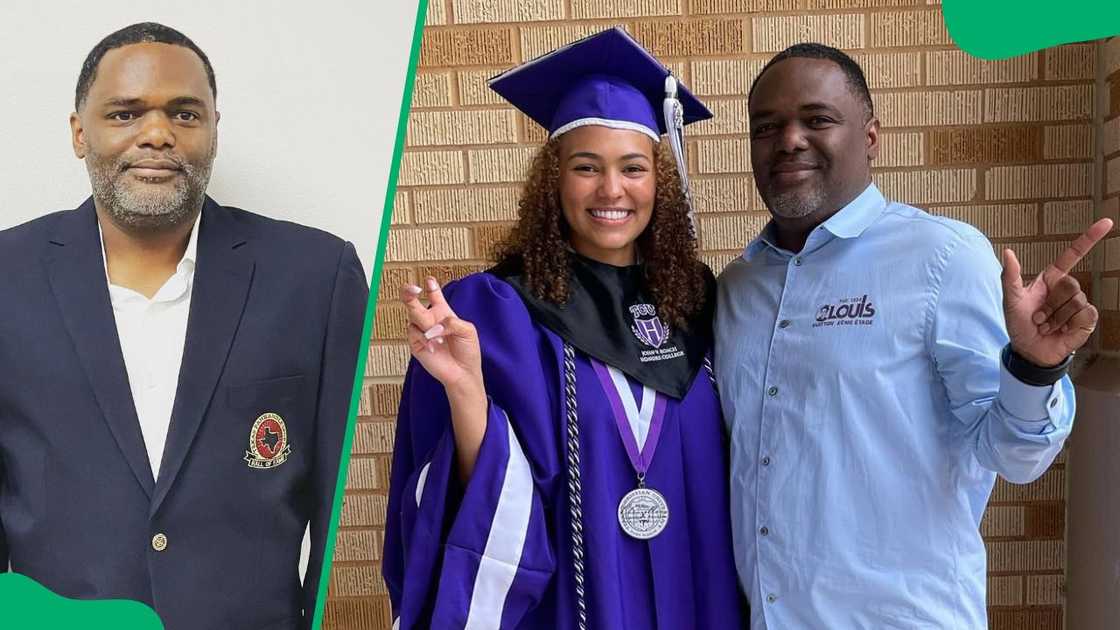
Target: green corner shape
(27, 605)
(998, 29)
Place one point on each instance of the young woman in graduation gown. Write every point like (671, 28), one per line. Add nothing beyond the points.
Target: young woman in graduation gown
(559, 458)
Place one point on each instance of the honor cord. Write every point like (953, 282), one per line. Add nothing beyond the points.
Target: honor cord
(575, 488)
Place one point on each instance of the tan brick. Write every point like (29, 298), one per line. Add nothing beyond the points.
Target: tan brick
(372, 613)
(474, 88)
(996, 221)
(1114, 98)
(725, 194)
(1035, 256)
(1110, 137)
(1068, 142)
(729, 117)
(385, 397)
(437, 13)
(1039, 180)
(366, 473)
(925, 109)
(487, 237)
(491, 166)
(1051, 486)
(462, 127)
(1070, 62)
(466, 47)
(1002, 522)
(387, 360)
(1034, 555)
(401, 210)
(431, 89)
(490, 11)
(363, 510)
(1045, 590)
(1112, 254)
(956, 67)
(1113, 176)
(356, 581)
(1110, 331)
(374, 437)
(920, 27)
(725, 155)
(1030, 104)
(1067, 217)
(452, 205)
(447, 243)
(771, 34)
(391, 280)
(717, 261)
(900, 149)
(679, 38)
(1005, 590)
(985, 145)
(1025, 619)
(358, 545)
(725, 76)
(1110, 208)
(1110, 294)
(427, 168)
(364, 405)
(538, 40)
(1110, 55)
(891, 70)
(701, 7)
(390, 322)
(929, 186)
(447, 273)
(729, 231)
(614, 9)
(1045, 520)
(859, 4)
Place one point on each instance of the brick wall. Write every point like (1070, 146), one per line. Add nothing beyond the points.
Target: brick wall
(1008, 146)
(1109, 181)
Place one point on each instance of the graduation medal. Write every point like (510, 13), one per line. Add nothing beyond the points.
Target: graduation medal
(643, 512)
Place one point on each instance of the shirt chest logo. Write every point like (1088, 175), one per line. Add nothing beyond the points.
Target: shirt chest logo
(652, 332)
(849, 311)
(268, 442)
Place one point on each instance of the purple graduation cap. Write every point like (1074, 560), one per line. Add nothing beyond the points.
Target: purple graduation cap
(606, 79)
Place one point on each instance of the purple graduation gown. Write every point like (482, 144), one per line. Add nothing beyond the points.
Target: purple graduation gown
(496, 553)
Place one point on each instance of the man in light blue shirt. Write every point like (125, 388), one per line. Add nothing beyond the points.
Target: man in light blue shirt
(858, 354)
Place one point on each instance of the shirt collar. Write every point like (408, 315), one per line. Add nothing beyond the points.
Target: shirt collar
(187, 262)
(849, 222)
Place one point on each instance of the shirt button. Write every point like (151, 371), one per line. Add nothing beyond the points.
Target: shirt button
(765, 531)
(771, 598)
(783, 324)
(159, 542)
(797, 261)
(1053, 402)
(773, 391)
(766, 461)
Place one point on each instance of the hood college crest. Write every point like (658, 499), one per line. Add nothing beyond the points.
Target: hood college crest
(647, 326)
(268, 442)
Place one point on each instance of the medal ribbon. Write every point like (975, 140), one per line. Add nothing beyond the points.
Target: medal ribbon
(628, 419)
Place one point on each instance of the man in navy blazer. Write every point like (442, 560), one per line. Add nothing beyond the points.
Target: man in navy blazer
(127, 471)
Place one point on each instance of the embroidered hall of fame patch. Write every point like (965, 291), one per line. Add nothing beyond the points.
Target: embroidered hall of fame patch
(268, 442)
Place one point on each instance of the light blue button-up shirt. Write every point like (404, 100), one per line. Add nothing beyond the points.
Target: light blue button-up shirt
(869, 415)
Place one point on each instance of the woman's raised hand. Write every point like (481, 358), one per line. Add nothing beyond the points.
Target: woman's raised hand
(445, 345)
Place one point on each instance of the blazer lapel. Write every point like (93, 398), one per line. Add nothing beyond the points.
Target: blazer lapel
(222, 277)
(76, 270)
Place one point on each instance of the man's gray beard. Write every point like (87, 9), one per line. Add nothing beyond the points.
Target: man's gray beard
(142, 207)
(795, 204)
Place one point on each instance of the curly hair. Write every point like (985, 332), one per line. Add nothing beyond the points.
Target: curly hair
(674, 274)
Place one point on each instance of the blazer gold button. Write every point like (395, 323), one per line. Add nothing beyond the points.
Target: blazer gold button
(159, 542)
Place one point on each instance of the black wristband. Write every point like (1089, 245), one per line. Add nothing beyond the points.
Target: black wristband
(1031, 374)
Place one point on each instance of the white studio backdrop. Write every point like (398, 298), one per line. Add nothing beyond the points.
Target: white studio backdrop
(309, 94)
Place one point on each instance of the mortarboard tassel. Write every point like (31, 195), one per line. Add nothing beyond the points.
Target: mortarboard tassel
(674, 128)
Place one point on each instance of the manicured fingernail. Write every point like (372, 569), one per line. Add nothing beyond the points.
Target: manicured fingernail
(1044, 329)
(432, 284)
(412, 288)
(431, 348)
(439, 340)
(433, 331)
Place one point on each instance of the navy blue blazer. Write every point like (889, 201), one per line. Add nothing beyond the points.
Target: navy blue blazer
(274, 327)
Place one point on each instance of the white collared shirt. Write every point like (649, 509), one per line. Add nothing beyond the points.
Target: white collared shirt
(152, 334)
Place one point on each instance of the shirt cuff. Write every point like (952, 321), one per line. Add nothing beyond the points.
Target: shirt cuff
(1033, 407)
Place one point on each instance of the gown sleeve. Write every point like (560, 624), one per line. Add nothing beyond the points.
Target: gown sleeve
(479, 555)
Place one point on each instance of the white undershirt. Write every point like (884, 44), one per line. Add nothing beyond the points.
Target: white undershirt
(152, 335)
